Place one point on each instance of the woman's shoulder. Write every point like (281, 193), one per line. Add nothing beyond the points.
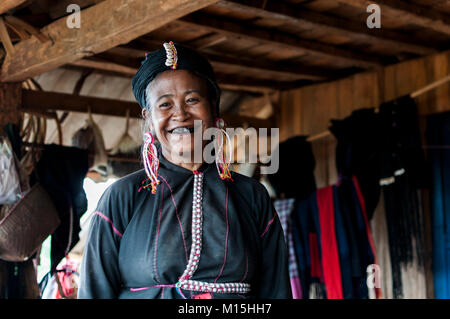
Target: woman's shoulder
(250, 187)
(129, 183)
(124, 190)
(248, 182)
(119, 198)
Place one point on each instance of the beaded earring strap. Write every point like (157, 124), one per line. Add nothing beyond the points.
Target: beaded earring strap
(222, 161)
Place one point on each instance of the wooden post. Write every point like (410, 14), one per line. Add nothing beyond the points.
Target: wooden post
(10, 103)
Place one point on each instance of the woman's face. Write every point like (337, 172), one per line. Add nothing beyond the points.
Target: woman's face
(177, 98)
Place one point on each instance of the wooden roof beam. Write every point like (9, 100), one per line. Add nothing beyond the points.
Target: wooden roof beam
(39, 101)
(295, 15)
(259, 65)
(98, 64)
(208, 41)
(407, 11)
(6, 5)
(226, 81)
(105, 25)
(278, 38)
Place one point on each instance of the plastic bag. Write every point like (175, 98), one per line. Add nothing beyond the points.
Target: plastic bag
(63, 284)
(9, 178)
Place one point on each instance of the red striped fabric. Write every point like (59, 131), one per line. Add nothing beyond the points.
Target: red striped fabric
(330, 257)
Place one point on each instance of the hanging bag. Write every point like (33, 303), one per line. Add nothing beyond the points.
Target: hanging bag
(30, 220)
(27, 224)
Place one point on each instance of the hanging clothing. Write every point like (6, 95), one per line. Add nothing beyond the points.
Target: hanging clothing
(139, 244)
(381, 240)
(333, 241)
(402, 174)
(358, 152)
(329, 248)
(344, 249)
(438, 137)
(61, 171)
(305, 234)
(295, 176)
(284, 209)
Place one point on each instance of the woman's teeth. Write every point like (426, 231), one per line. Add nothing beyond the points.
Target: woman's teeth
(181, 130)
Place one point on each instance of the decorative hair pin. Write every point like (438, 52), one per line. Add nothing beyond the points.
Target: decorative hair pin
(171, 55)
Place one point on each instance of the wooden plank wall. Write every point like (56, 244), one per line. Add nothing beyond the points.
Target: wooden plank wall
(308, 110)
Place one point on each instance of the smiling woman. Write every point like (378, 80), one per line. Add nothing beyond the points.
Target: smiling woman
(178, 98)
(183, 228)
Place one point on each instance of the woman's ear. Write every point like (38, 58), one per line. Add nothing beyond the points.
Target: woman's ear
(144, 113)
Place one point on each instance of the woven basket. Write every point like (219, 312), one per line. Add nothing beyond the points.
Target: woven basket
(27, 224)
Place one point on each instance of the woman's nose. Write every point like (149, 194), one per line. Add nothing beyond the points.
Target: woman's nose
(181, 113)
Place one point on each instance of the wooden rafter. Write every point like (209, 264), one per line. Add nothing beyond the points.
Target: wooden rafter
(110, 23)
(6, 40)
(6, 5)
(241, 83)
(21, 25)
(302, 71)
(308, 18)
(32, 101)
(208, 41)
(263, 66)
(278, 38)
(97, 64)
(413, 13)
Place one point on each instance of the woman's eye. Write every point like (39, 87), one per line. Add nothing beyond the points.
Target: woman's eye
(192, 100)
(163, 105)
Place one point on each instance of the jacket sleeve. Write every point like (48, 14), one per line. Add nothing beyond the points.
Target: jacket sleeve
(273, 276)
(100, 276)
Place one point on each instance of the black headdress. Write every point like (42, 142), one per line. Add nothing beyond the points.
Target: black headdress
(174, 56)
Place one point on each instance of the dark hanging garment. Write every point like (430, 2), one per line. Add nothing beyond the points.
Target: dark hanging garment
(438, 138)
(368, 253)
(347, 212)
(302, 229)
(401, 146)
(306, 233)
(345, 260)
(61, 171)
(402, 174)
(352, 224)
(139, 244)
(357, 152)
(295, 176)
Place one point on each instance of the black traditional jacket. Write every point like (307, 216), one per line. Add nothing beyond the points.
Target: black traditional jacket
(140, 245)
